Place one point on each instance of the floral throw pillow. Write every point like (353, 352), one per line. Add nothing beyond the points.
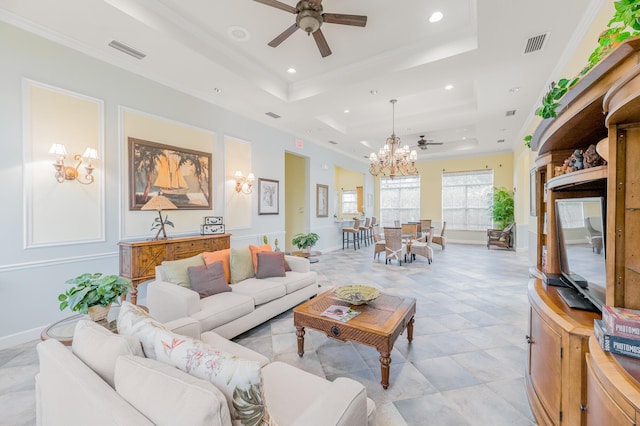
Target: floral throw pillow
(238, 379)
(135, 321)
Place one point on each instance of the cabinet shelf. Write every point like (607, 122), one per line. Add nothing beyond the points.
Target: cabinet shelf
(577, 178)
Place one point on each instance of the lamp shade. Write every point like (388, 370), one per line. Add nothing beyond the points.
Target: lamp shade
(58, 149)
(90, 153)
(159, 202)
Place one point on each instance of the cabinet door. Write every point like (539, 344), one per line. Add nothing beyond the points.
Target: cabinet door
(545, 364)
(601, 409)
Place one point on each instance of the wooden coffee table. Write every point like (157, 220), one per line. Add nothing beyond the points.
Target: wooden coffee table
(379, 323)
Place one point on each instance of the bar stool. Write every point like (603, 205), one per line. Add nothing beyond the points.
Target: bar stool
(365, 231)
(355, 231)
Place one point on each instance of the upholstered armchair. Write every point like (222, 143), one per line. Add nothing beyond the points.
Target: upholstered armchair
(441, 240)
(501, 237)
(380, 246)
(394, 247)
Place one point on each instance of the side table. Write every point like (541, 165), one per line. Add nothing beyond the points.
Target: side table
(312, 256)
(63, 330)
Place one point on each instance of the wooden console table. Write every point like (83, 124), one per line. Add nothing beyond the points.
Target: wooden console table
(138, 259)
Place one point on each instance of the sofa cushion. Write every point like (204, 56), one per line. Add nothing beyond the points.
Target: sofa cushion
(222, 308)
(240, 380)
(168, 396)
(209, 279)
(134, 321)
(270, 264)
(262, 291)
(294, 281)
(241, 264)
(219, 255)
(176, 270)
(99, 348)
(217, 341)
(254, 253)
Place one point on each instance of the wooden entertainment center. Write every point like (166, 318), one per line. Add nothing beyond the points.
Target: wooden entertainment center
(570, 380)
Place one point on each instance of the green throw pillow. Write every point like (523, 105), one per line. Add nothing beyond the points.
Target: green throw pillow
(241, 263)
(177, 271)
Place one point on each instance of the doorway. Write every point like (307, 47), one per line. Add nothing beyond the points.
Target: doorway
(296, 197)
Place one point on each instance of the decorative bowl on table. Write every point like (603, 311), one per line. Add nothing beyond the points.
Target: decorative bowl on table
(357, 294)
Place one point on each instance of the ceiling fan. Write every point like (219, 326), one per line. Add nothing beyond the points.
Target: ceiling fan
(424, 143)
(310, 18)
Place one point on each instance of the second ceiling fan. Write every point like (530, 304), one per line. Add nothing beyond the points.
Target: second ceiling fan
(309, 17)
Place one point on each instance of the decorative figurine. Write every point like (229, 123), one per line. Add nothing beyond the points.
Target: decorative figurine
(576, 160)
(592, 158)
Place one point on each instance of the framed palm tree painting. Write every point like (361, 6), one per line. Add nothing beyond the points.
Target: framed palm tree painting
(182, 175)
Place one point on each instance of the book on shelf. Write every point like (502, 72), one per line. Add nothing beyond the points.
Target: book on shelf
(340, 313)
(615, 344)
(621, 322)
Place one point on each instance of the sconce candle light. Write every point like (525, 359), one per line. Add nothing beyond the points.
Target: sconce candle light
(64, 172)
(243, 184)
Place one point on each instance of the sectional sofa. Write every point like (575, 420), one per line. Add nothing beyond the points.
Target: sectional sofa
(249, 301)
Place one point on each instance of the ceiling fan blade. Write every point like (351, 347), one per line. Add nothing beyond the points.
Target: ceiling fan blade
(283, 36)
(338, 18)
(322, 43)
(278, 5)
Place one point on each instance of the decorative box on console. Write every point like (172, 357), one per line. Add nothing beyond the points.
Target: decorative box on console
(213, 220)
(212, 225)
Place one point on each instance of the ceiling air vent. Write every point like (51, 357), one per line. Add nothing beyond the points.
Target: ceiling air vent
(126, 49)
(535, 43)
(510, 113)
(500, 140)
(333, 142)
(272, 114)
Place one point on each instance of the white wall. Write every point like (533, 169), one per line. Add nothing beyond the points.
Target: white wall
(31, 278)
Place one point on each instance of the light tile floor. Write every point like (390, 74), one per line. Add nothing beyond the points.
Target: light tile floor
(465, 366)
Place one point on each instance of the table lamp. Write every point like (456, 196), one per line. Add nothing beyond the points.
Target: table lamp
(159, 203)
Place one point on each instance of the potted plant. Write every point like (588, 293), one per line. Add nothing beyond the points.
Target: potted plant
(93, 294)
(502, 207)
(304, 242)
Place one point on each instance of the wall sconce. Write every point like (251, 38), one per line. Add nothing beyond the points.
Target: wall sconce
(64, 172)
(243, 184)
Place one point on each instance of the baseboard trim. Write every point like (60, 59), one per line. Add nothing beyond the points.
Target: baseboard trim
(16, 339)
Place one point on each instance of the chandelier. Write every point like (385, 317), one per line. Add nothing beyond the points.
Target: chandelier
(393, 159)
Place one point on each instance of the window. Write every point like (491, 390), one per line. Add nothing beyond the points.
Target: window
(399, 199)
(349, 202)
(466, 199)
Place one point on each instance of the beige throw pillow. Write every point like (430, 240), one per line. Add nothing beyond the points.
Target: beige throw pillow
(241, 263)
(99, 348)
(135, 321)
(177, 272)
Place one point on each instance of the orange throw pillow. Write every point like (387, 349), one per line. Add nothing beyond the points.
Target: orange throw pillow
(220, 255)
(254, 253)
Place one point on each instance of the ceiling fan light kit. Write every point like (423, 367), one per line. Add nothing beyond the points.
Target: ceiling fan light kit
(393, 159)
(309, 17)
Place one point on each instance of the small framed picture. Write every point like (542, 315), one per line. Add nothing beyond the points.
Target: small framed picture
(268, 196)
(322, 200)
(213, 220)
(211, 229)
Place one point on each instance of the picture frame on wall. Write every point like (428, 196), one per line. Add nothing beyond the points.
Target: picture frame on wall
(182, 175)
(268, 196)
(322, 200)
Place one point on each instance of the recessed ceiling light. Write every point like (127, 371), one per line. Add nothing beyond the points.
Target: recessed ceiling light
(309, 131)
(514, 89)
(346, 111)
(448, 87)
(435, 17)
(291, 70)
(373, 92)
(217, 90)
(238, 33)
(464, 138)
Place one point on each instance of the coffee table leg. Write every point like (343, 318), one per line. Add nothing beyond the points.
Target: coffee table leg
(385, 361)
(300, 334)
(410, 330)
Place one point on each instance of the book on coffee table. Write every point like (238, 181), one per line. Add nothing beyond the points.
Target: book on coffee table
(340, 313)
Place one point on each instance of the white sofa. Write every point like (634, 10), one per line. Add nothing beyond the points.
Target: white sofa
(72, 388)
(250, 303)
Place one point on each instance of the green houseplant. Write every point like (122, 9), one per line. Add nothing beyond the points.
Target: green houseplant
(92, 290)
(305, 241)
(502, 207)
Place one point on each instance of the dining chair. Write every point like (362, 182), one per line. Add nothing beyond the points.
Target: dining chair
(396, 223)
(441, 240)
(422, 247)
(426, 223)
(355, 231)
(394, 247)
(379, 243)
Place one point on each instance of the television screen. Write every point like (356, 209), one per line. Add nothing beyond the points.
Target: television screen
(581, 246)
